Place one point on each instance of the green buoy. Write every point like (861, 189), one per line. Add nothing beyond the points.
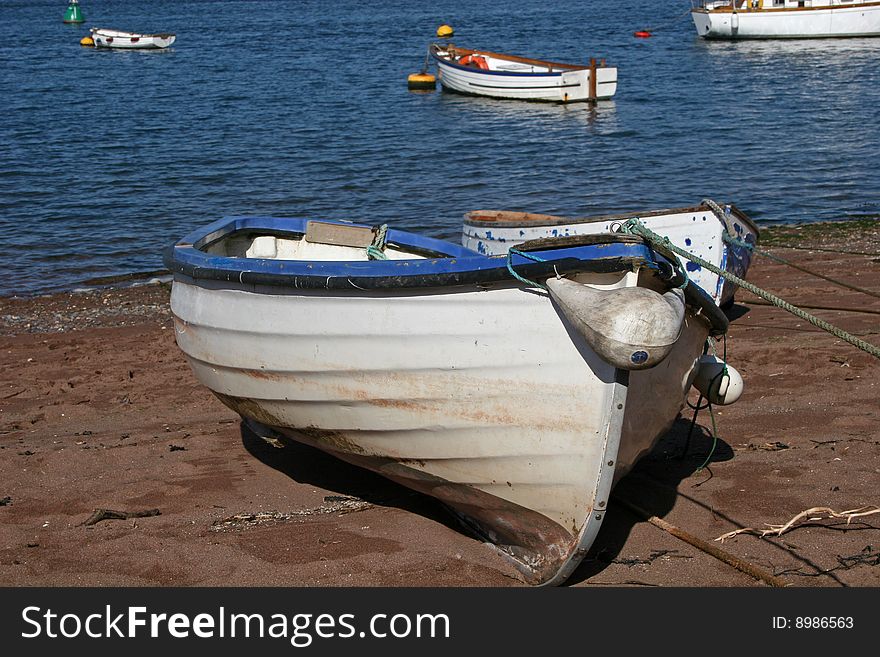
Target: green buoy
(74, 13)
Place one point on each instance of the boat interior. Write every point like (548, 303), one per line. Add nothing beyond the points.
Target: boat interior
(322, 241)
(492, 61)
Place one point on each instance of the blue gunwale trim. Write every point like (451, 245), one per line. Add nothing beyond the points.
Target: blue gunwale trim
(454, 266)
(200, 237)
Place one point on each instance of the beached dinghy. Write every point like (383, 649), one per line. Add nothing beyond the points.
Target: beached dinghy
(435, 367)
(104, 38)
(708, 230)
(484, 73)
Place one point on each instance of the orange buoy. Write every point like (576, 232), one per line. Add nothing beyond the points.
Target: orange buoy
(642, 34)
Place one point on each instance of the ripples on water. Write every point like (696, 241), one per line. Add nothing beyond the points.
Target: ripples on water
(301, 109)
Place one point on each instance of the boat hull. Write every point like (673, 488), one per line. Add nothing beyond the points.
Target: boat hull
(131, 40)
(699, 230)
(437, 368)
(487, 401)
(561, 86)
(854, 21)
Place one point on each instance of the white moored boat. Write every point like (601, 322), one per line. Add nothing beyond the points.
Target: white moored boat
(793, 19)
(710, 231)
(484, 73)
(516, 406)
(104, 38)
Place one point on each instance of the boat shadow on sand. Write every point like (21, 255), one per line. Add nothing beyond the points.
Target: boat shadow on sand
(686, 451)
(651, 485)
(309, 465)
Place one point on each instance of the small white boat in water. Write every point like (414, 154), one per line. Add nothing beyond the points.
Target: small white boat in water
(714, 233)
(779, 19)
(104, 38)
(485, 73)
(437, 367)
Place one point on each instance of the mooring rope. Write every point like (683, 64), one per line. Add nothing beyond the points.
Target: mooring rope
(751, 247)
(754, 249)
(375, 250)
(635, 227)
(668, 23)
(824, 249)
(514, 251)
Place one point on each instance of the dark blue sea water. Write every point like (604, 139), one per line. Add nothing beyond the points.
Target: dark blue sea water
(302, 109)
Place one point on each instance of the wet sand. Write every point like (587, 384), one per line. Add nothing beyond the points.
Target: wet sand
(99, 410)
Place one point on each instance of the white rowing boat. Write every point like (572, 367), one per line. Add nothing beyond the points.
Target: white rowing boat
(104, 38)
(517, 407)
(721, 235)
(492, 74)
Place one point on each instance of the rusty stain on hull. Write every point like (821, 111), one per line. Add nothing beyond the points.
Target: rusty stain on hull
(251, 410)
(434, 393)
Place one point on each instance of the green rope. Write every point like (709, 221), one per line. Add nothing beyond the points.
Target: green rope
(751, 247)
(714, 440)
(529, 256)
(636, 227)
(782, 245)
(710, 344)
(730, 239)
(375, 250)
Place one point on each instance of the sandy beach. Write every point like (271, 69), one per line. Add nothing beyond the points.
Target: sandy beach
(99, 410)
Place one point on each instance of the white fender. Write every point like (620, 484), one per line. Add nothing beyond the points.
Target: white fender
(632, 328)
(718, 388)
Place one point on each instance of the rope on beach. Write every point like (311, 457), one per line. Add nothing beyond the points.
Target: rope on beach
(751, 247)
(754, 249)
(735, 242)
(668, 23)
(375, 250)
(825, 250)
(635, 227)
(840, 309)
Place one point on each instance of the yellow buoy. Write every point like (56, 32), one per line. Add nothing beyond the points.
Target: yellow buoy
(86, 41)
(444, 31)
(421, 81)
